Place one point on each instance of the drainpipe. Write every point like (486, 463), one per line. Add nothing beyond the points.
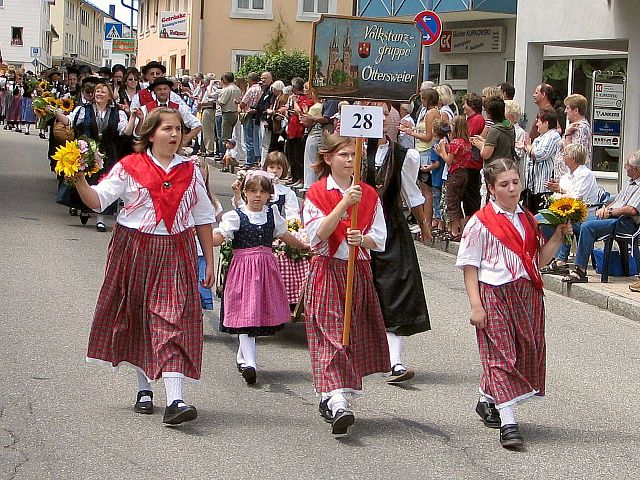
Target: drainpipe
(200, 38)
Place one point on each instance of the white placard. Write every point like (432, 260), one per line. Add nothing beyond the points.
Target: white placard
(359, 121)
(174, 25)
(606, 141)
(473, 40)
(608, 95)
(607, 114)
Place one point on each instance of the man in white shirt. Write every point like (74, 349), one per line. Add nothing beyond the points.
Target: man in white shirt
(161, 89)
(151, 71)
(229, 99)
(210, 94)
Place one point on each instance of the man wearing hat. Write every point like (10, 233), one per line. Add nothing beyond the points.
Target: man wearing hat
(161, 88)
(151, 71)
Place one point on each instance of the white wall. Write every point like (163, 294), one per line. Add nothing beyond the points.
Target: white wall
(33, 17)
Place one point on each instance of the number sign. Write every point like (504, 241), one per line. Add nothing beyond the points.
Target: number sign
(360, 121)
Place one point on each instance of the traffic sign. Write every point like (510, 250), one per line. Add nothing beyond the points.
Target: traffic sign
(34, 52)
(430, 26)
(35, 62)
(359, 121)
(112, 30)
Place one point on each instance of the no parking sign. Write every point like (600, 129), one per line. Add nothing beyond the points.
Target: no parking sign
(430, 26)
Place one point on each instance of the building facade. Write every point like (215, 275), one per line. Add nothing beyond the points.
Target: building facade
(26, 34)
(225, 33)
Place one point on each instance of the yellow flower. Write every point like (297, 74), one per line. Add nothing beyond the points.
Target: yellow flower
(68, 159)
(43, 85)
(47, 94)
(570, 209)
(67, 105)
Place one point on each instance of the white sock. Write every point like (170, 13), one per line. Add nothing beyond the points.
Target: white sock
(143, 384)
(486, 398)
(239, 357)
(507, 416)
(248, 347)
(395, 348)
(173, 386)
(99, 218)
(337, 402)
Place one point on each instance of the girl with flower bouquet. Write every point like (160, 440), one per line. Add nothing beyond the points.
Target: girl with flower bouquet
(254, 302)
(103, 122)
(499, 254)
(148, 314)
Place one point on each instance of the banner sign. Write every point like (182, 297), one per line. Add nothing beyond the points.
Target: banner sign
(174, 25)
(123, 45)
(473, 40)
(365, 58)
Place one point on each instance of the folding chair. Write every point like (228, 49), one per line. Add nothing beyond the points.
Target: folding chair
(624, 241)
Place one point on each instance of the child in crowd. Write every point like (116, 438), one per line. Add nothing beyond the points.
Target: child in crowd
(338, 369)
(404, 139)
(441, 134)
(500, 253)
(254, 301)
(229, 161)
(456, 154)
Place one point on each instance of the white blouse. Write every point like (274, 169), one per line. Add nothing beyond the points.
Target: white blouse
(79, 113)
(409, 174)
(312, 218)
(291, 205)
(481, 249)
(138, 213)
(231, 221)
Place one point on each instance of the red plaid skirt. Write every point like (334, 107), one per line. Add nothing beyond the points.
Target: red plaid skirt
(512, 345)
(148, 313)
(294, 275)
(336, 367)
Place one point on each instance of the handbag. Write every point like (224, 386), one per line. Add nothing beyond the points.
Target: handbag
(62, 133)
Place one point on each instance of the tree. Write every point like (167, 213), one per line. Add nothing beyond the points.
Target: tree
(282, 64)
(339, 77)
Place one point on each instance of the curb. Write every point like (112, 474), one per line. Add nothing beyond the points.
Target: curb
(588, 293)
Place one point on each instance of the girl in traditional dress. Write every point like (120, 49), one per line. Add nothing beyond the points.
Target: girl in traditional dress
(14, 109)
(337, 369)
(254, 301)
(148, 314)
(499, 254)
(28, 114)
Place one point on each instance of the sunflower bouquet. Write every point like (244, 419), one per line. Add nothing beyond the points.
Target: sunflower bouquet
(81, 155)
(564, 210)
(42, 103)
(297, 230)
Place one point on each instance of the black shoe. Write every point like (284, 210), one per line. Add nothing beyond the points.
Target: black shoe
(249, 375)
(144, 407)
(400, 374)
(73, 212)
(42, 135)
(488, 414)
(84, 218)
(325, 411)
(174, 415)
(101, 227)
(341, 421)
(510, 436)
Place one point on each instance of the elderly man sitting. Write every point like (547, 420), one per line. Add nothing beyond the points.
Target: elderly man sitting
(623, 214)
(580, 183)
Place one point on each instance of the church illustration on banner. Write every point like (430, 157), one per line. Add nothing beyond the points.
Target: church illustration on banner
(340, 71)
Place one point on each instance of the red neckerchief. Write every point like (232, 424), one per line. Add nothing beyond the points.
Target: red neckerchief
(153, 104)
(326, 201)
(145, 96)
(166, 189)
(500, 227)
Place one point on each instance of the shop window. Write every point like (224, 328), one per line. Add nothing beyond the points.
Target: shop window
(456, 72)
(310, 10)
(434, 73)
(238, 57)
(556, 74)
(16, 36)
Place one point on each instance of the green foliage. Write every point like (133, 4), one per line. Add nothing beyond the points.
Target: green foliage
(339, 77)
(278, 38)
(284, 65)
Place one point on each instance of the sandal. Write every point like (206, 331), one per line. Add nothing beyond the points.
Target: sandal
(576, 276)
(555, 268)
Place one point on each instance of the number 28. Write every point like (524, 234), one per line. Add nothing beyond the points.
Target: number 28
(363, 121)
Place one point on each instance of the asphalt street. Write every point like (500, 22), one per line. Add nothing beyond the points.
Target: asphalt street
(61, 418)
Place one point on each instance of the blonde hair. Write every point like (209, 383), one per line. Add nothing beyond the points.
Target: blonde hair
(445, 94)
(577, 101)
(331, 144)
(512, 109)
(459, 127)
(152, 123)
(577, 152)
(492, 91)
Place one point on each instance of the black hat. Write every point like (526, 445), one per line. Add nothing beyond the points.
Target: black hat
(153, 64)
(94, 80)
(118, 67)
(85, 69)
(51, 72)
(105, 71)
(71, 69)
(161, 81)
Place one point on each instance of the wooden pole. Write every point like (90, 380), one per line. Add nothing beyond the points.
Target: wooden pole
(351, 265)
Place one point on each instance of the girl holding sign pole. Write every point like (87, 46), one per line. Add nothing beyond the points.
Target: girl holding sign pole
(338, 369)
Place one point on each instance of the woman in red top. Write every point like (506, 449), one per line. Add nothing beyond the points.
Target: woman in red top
(457, 155)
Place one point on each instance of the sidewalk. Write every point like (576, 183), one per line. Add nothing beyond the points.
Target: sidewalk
(614, 296)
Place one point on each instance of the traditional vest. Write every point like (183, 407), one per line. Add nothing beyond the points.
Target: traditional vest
(154, 104)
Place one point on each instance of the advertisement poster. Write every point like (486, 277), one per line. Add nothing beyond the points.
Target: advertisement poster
(174, 25)
(365, 58)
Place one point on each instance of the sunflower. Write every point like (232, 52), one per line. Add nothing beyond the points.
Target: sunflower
(67, 105)
(40, 112)
(569, 209)
(47, 94)
(43, 85)
(68, 159)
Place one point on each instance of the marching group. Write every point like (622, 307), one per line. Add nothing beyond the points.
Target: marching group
(433, 160)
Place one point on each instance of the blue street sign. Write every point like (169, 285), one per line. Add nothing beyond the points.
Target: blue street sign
(606, 127)
(112, 30)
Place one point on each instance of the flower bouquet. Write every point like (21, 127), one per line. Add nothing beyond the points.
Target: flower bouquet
(81, 155)
(295, 254)
(41, 106)
(564, 210)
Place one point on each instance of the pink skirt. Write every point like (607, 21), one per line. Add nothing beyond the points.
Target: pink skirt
(254, 295)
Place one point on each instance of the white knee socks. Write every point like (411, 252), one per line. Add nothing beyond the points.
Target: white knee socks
(395, 348)
(337, 402)
(247, 350)
(143, 384)
(173, 386)
(507, 416)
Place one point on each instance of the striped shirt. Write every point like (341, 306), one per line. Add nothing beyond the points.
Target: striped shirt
(544, 149)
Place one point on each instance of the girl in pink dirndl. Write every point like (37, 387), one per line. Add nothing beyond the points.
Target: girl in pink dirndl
(499, 253)
(254, 300)
(337, 369)
(148, 314)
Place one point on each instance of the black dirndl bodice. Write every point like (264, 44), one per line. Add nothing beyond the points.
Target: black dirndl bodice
(250, 235)
(279, 202)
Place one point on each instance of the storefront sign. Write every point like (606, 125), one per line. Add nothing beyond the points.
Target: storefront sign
(473, 40)
(123, 45)
(608, 95)
(604, 141)
(606, 127)
(365, 58)
(607, 114)
(174, 25)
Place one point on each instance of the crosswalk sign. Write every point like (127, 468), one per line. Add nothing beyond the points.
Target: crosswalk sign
(112, 30)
